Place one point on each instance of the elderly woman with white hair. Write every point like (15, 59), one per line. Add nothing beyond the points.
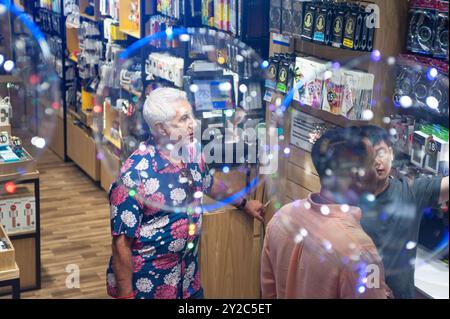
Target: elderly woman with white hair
(156, 208)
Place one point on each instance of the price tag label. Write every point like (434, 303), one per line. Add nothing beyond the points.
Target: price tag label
(431, 147)
(5, 112)
(4, 139)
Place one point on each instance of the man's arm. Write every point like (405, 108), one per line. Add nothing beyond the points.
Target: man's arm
(222, 189)
(122, 264)
(444, 191)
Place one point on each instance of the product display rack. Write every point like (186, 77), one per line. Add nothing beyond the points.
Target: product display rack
(29, 264)
(58, 146)
(84, 118)
(297, 177)
(434, 225)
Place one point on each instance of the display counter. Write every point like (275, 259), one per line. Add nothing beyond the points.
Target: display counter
(431, 277)
(230, 252)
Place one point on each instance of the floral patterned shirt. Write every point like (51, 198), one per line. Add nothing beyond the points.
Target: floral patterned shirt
(154, 203)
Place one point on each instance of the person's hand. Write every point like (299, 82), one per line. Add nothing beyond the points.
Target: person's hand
(255, 209)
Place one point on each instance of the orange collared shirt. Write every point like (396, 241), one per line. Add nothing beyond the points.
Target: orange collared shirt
(315, 251)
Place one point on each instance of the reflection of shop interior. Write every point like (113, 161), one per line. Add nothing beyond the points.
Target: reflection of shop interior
(64, 201)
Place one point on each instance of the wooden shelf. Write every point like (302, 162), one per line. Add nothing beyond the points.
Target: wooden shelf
(360, 59)
(18, 177)
(74, 114)
(10, 78)
(21, 233)
(335, 119)
(131, 91)
(92, 18)
(10, 274)
(83, 4)
(87, 118)
(113, 141)
(132, 33)
(127, 26)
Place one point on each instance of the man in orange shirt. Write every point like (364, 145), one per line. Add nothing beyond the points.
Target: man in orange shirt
(316, 248)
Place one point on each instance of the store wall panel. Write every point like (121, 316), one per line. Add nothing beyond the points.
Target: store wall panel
(303, 159)
(229, 256)
(57, 137)
(109, 168)
(81, 148)
(303, 178)
(26, 261)
(296, 191)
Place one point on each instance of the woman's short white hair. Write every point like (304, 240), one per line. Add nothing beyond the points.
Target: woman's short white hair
(159, 107)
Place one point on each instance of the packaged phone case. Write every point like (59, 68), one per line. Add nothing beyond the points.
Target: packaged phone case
(422, 27)
(440, 48)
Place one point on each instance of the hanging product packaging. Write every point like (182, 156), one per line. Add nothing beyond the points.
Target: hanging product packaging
(297, 18)
(309, 22)
(440, 49)
(272, 72)
(5, 111)
(284, 75)
(320, 25)
(332, 93)
(329, 23)
(360, 21)
(310, 72)
(286, 18)
(337, 27)
(404, 131)
(275, 16)
(422, 27)
(350, 28)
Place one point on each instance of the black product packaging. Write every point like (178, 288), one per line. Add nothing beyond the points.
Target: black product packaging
(440, 49)
(275, 16)
(272, 72)
(309, 21)
(337, 28)
(439, 90)
(364, 33)
(370, 39)
(286, 18)
(367, 32)
(320, 25)
(297, 18)
(330, 15)
(284, 75)
(350, 28)
(359, 28)
(422, 29)
(420, 89)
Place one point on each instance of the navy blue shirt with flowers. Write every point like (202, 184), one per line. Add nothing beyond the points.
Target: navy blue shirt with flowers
(159, 206)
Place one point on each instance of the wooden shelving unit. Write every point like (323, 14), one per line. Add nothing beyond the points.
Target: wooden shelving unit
(83, 4)
(390, 41)
(131, 91)
(125, 25)
(86, 16)
(27, 243)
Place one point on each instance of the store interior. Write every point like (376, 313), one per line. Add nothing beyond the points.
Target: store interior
(74, 77)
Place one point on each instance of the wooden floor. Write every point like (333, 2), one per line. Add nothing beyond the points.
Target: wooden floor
(74, 230)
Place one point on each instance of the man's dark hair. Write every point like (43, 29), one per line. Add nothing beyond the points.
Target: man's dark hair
(376, 135)
(338, 150)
